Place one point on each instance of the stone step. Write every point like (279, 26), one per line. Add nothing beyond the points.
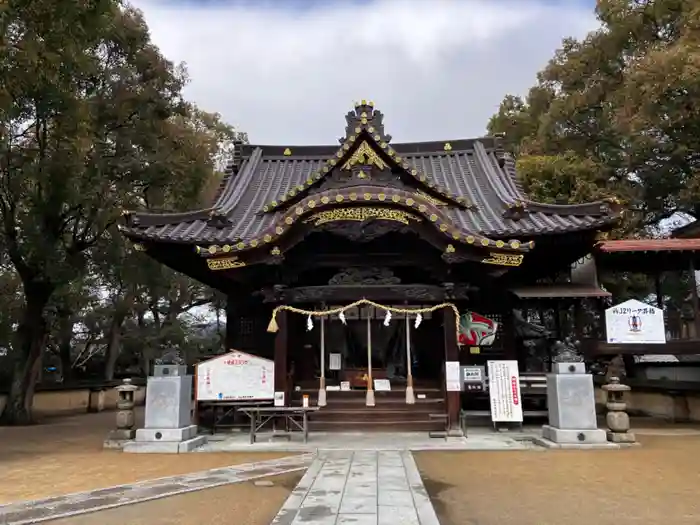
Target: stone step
(371, 414)
(410, 425)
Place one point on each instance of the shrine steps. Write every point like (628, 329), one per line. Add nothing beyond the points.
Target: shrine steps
(346, 411)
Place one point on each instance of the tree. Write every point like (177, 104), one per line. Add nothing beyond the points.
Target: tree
(625, 101)
(91, 122)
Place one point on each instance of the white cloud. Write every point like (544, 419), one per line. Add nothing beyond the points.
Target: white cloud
(437, 69)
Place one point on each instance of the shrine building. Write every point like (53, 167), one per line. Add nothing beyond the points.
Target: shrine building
(440, 232)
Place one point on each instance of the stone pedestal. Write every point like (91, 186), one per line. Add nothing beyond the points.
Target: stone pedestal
(168, 427)
(571, 404)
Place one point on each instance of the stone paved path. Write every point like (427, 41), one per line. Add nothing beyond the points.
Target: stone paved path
(359, 488)
(106, 498)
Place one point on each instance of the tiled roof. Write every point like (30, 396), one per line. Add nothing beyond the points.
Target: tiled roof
(470, 185)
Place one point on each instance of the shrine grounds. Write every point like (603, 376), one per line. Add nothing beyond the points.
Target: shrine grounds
(657, 482)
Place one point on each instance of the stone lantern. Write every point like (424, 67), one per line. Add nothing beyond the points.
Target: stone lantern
(617, 419)
(125, 430)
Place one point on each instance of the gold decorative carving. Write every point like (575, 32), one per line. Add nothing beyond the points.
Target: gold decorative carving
(364, 154)
(447, 146)
(139, 247)
(287, 152)
(227, 263)
(503, 259)
(361, 213)
(430, 199)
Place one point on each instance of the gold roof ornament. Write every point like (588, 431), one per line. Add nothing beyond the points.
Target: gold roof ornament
(447, 146)
(287, 152)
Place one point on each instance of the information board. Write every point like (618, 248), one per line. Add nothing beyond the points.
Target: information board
(453, 381)
(504, 392)
(236, 376)
(635, 322)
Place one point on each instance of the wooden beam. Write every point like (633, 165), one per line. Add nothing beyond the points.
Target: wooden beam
(592, 348)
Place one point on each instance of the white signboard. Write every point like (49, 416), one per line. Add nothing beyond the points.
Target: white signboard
(472, 374)
(279, 399)
(635, 322)
(382, 385)
(453, 381)
(504, 392)
(236, 376)
(334, 361)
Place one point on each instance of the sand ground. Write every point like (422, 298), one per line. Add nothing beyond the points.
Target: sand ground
(65, 455)
(658, 482)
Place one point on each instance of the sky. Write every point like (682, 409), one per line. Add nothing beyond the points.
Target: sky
(287, 71)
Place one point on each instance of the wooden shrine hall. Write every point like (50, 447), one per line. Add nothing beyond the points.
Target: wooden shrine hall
(437, 241)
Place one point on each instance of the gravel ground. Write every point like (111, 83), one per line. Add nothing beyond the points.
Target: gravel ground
(65, 455)
(239, 504)
(656, 483)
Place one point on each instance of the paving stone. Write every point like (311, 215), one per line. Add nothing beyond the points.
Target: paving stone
(378, 489)
(395, 498)
(397, 516)
(358, 504)
(357, 519)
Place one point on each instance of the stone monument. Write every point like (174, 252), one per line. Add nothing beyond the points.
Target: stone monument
(168, 426)
(571, 402)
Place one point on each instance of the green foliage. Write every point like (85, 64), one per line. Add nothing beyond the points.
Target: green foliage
(624, 103)
(92, 121)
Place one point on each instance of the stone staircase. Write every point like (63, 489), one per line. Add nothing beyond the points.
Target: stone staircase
(346, 411)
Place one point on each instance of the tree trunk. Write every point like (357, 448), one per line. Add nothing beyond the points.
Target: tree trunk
(65, 340)
(114, 342)
(30, 338)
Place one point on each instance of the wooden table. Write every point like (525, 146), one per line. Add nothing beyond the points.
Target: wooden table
(260, 416)
(223, 410)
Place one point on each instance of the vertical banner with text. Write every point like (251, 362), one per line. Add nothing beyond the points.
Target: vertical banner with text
(504, 392)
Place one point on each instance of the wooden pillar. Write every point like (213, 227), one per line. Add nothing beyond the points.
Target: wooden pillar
(557, 320)
(694, 299)
(452, 399)
(281, 338)
(233, 322)
(658, 290)
(510, 350)
(579, 319)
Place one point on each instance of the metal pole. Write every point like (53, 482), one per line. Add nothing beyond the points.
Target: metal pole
(410, 396)
(370, 389)
(322, 401)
